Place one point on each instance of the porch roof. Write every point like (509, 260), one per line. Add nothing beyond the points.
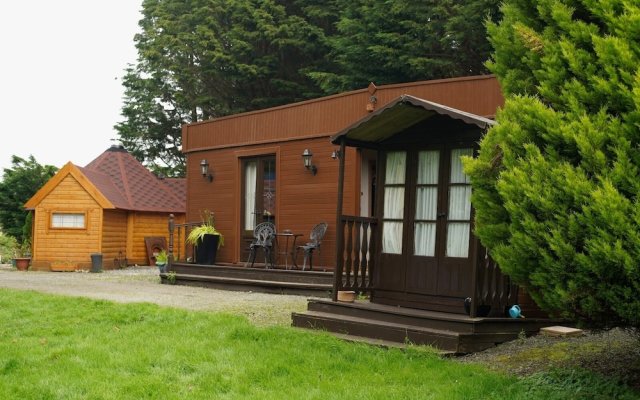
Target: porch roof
(399, 115)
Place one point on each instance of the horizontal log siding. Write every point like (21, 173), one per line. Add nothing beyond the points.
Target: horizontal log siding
(114, 236)
(328, 115)
(148, 224)
(75, 245)
(303, 199)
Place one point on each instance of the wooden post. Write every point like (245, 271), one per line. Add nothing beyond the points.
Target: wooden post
(474, 278)
(337, 274)
(170, 252)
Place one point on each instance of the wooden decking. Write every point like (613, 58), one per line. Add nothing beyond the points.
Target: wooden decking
(454, 333)
(259, 279)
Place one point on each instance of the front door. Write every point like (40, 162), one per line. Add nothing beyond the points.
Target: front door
(426, 238)
(258, 196)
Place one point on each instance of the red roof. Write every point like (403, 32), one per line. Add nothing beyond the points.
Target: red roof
(129, 185)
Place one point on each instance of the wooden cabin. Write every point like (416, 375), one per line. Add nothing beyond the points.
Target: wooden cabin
(428, 278)
(386, 175)
(254, 168)
(108, 207)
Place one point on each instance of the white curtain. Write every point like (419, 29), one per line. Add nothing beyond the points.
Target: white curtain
(458, 239)
(457, 172)
(250, 194)
(393, 202)
(428, 162)
(425, 239)
(426, 203)
(392, 237)
(459, 207)
(396, 169)
(459, 202)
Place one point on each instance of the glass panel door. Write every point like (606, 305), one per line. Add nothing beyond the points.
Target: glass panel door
(258, 196)
(250, 181)
(393, 211)
(459, 208)
(426, 203)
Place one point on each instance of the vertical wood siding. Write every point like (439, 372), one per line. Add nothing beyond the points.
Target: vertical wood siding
(326, 116)
(303, 200)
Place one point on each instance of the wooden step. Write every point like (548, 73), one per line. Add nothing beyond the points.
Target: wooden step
(375, 329)
(356, 328)
(278, 275)
(429, 319)
(397, 315)
(255, 285)
(380, 342)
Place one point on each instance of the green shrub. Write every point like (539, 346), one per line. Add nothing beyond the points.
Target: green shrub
(557, 181)
(8, 247)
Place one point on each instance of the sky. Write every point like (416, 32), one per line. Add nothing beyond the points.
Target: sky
(61, 65)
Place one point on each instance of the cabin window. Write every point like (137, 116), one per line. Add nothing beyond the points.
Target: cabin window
(393, 213)
(459, 215)
(250, 176)
(68, 220)
(259, 191)
(426, 203)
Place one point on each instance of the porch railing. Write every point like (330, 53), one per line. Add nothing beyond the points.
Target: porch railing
(355, 267)
(492, 287)
(178, 249)
(355, 247)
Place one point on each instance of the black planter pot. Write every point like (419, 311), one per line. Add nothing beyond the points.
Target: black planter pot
(206, 249)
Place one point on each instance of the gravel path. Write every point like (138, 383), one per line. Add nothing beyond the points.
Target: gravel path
(142, 284)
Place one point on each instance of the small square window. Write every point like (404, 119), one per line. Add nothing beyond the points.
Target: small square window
(67, 220)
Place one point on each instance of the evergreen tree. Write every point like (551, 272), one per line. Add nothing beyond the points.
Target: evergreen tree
(200, 59)
(399, 41)
(557, 181)
(19, 183)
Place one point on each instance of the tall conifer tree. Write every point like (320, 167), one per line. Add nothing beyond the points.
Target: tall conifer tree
(557, 181)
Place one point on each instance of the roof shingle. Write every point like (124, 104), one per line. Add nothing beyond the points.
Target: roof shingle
(129, 185)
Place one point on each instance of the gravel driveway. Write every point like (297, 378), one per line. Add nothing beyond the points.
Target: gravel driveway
(142, 284)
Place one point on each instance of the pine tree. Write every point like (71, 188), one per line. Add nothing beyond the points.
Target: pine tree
(557, 181)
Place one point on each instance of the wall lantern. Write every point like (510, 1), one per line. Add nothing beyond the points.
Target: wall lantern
(336, 155)
(204, 170)
(306, 158)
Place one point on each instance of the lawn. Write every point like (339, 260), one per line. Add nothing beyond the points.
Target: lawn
(55, 347)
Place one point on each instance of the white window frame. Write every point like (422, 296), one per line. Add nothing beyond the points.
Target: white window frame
(68, 220)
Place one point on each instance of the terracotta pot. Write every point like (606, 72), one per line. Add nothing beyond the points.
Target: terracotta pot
(347, 296)
(22, 263)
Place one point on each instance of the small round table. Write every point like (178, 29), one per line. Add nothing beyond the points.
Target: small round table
(287, 251)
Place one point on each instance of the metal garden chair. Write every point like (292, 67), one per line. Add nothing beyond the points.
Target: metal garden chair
(317, 233)
(263, 235)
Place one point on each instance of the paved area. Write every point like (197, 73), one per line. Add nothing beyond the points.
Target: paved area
(142, 284)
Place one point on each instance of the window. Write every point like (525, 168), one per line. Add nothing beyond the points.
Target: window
(68, 220)
(393, 213)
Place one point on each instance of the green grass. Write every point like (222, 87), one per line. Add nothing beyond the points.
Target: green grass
(54, 347)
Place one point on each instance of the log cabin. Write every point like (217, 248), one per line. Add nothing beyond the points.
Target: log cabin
(108, 207)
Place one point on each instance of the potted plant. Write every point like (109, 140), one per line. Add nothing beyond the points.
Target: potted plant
(161, 260)
(23, 256)
(206, 239)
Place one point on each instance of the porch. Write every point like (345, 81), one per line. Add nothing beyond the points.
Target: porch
(446, 323)
(251, 279)
(391, 325)
(278, 279)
